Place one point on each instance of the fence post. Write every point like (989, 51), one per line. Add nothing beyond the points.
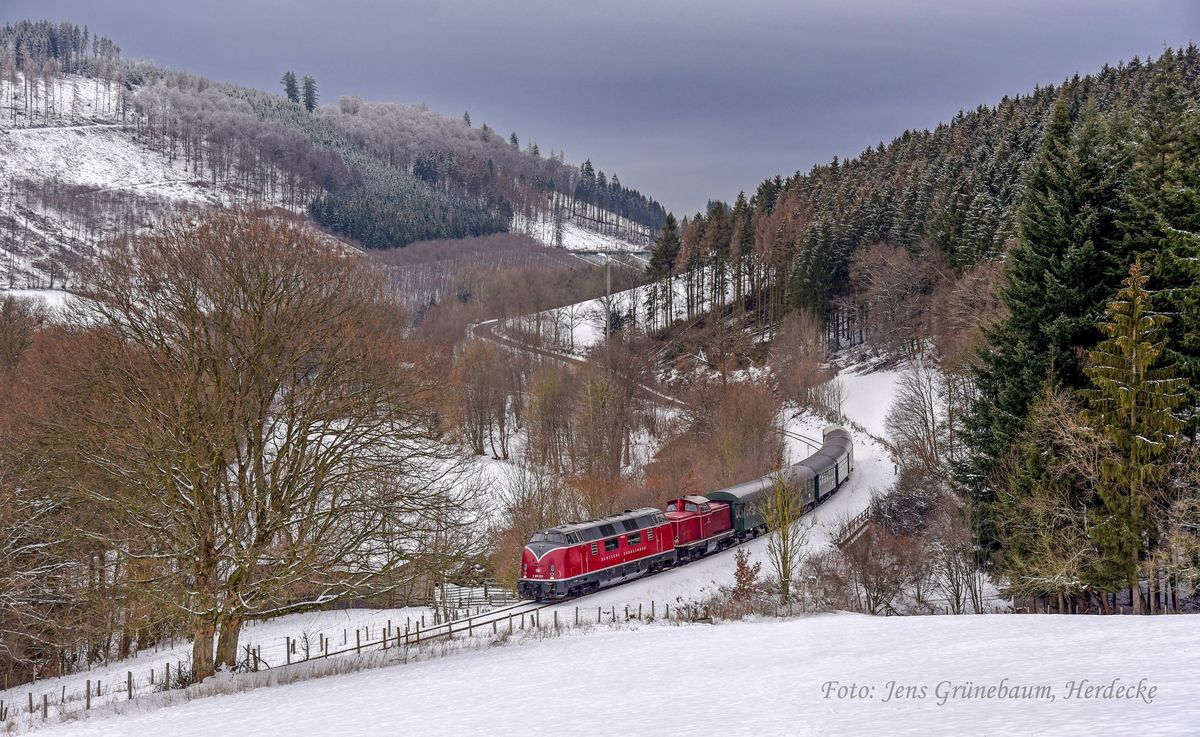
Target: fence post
(288, 647)
(652, 609)
(639, 611)
(31, 702)
(88, 691)
(167, 676)
(357, 641)
(45, 706)
(493, 627)
(128, 684)
(576, 616)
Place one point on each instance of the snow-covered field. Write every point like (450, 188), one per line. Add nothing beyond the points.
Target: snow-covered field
(760, 678)
(337, 627)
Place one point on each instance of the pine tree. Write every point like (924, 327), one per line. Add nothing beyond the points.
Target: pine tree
(1133, 405)
(290, 88)
(310, 93)
(514, 141)
(467, 119)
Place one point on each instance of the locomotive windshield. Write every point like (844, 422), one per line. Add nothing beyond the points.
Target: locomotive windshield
(547, 537)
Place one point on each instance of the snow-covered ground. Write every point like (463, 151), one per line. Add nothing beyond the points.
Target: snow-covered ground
(271, 636)
(54, 300)
(577, 236)
(576, 328)
(757, 678)
(867, 396)
(100, 157)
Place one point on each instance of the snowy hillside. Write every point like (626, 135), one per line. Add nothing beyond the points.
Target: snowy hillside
(72, 173)
(752, 678)
(581, 234)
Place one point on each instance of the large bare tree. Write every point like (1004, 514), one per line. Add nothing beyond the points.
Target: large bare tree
(255, 420)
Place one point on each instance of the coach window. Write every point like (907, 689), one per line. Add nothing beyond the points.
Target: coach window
(611, 545)
(635, 538)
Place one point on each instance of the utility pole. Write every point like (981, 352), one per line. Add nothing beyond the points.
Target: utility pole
(608, 305)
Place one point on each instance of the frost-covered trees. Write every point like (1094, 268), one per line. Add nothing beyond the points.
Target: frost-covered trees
(309, 93)
(291, 89)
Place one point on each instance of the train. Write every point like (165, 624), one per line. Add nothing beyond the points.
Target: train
(581, 557)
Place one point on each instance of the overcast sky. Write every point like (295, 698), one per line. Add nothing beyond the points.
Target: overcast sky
(687, 100)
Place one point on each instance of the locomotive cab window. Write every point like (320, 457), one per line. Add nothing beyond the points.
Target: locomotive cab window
(672, 506)
(611, 545)
(635, 538)
(690, 507)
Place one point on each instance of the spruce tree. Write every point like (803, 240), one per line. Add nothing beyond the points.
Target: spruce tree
(662, 267)
(290, 87)
(310, 93)
(1133, 404)
(1161, 213)
(1068, 260)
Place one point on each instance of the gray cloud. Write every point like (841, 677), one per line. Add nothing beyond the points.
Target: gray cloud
(686, 100)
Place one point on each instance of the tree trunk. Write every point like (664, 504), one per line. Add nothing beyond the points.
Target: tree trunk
(202, 651)
(1135, 587)
(1153, 592)
(227, 642)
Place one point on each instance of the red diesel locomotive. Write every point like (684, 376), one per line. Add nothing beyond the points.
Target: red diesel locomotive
(575, 559)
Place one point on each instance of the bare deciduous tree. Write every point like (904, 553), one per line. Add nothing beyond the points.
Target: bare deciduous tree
(252, 418)
(789, 530)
